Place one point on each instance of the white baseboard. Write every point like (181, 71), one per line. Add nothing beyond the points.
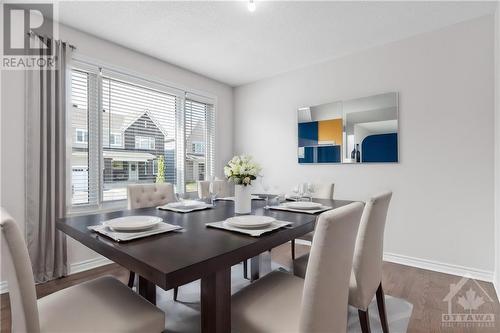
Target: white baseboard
(474, 273)
(436, 266)
(3, 287)
(74, 268)
(85, 265)
(302, 242)
(496, 286)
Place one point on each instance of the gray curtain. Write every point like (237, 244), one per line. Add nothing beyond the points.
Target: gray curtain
(45, 167)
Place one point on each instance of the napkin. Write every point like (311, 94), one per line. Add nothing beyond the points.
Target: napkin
(120, 236)
(255, 232)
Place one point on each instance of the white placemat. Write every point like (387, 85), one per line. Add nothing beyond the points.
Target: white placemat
(179, 210)
(307, 211)
(126, 236)
(253, 197)
(252, 232)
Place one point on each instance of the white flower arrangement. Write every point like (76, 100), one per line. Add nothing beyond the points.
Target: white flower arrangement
(241, 170)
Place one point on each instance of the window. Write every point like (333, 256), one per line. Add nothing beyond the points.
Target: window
(144, 142)
(80, 91)
(115, 140)
(198, 147)
(125, 126)
(82, 136)
(154, 166)
(199, 136)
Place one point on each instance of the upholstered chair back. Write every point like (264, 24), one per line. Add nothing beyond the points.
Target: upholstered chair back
(203, 189)
(222, 187)
(368, 254)
(326, 285)
(16, 263)
(324, 191)
(150, 195)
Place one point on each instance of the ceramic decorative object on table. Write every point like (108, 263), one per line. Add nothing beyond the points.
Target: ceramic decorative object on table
(242, 170)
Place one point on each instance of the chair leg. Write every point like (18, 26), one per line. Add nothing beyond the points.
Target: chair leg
(381, 309)
(245, 269)
(176, 292)
(293, 249)
(364, 321)
(131, 279)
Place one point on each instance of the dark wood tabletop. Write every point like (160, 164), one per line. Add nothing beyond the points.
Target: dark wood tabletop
(197, 252)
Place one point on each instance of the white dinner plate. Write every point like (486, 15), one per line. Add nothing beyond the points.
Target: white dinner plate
(250, 221)
(132, 223)
(305, 205)
(187, 204)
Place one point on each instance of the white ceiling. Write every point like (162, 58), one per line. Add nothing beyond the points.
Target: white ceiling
(224, 41)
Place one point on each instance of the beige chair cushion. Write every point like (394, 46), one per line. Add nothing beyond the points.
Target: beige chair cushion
(221, 187)
(203, 189)
(366, 272)
(324, 302)
(17, 265)
(150, 195)
(324, 191)
(368, 254)
(272, 304)
(101, 305)
(300, 267)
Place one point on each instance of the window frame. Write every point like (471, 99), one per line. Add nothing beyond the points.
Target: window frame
(145, 139)
(85, 135)
(114, 136)
(93, 66)
(198, 144)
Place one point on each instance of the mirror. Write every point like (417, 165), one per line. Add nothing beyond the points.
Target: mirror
(361, 130)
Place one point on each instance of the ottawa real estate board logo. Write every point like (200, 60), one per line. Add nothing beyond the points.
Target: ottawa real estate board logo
(467, 300)
(26, 27)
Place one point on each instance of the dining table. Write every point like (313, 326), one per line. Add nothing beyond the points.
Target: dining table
(195, 252)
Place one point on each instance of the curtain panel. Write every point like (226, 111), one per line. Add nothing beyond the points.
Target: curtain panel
(45, 166)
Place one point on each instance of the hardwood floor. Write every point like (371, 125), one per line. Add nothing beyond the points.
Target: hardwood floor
(424, 289)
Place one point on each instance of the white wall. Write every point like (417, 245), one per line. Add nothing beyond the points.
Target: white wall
(497, 150)
(442, 208)
(12, 116)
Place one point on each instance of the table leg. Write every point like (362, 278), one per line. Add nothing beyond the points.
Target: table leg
(147, 290)
(260, 265)
(216, 302)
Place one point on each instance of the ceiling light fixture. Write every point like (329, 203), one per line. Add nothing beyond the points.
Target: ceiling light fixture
(251, 5)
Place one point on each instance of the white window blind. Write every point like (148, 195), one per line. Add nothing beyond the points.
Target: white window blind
(145, 118)
(200, 136)
(135, 129)
(80, 149)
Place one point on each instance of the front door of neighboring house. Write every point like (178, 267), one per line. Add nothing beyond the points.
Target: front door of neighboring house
(133, 171)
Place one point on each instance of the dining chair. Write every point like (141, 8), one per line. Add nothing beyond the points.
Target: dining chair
(203, 189)
(100, 305)
(221, 187)
(366, 276)
(322, 191)
(282, 302)
(149, 195)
